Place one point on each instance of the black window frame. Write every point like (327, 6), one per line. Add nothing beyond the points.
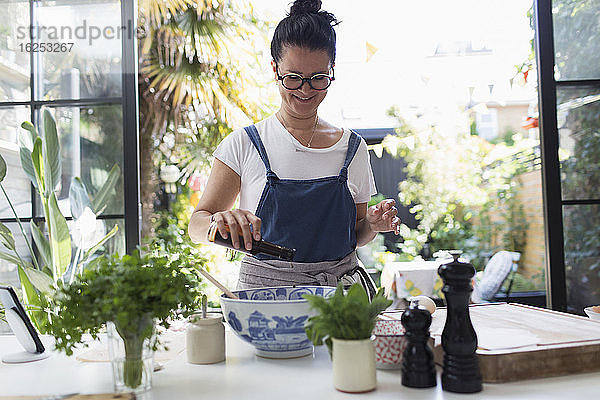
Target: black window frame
(129, 103)
(556, 283)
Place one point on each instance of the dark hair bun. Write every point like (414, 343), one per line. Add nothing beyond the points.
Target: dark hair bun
(305, 7)
(305, 26)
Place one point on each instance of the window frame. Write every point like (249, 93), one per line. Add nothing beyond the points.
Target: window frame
(556, 279)
(129, 104)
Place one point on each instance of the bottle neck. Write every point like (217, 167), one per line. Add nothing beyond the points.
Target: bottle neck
(274, 250)
(258, 246)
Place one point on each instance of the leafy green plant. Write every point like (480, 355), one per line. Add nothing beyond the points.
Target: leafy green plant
(131, 291)
(502, 178)
(508, 137)
(348, 316)
(376, 199)
(41, 162)
(523, 283)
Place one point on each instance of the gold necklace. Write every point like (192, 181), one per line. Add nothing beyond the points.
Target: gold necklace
(314, 130)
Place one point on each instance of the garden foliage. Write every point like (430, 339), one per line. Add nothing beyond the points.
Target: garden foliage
(455, 187)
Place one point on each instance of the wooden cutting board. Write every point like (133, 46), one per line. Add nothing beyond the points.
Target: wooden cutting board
(517, 342)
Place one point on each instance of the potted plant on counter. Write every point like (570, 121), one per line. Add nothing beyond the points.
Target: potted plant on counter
(130, 294)
(345, 324)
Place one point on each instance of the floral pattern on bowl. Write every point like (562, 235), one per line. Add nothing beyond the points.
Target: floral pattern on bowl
(272, 319)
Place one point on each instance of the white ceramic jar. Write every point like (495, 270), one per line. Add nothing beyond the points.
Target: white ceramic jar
(205, 339)
(354, 365)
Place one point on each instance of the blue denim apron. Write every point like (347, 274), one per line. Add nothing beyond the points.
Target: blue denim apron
(316, 217)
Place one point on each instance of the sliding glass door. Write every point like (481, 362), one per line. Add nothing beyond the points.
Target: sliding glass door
(568, 52)
(78, 60)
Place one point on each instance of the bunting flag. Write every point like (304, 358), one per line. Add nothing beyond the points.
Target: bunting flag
(195, 198)
(371, 50)
(378, 150)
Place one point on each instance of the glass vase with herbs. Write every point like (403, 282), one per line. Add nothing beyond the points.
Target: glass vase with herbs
(131, 295)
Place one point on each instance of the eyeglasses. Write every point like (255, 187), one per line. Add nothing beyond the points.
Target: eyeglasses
(295, 81)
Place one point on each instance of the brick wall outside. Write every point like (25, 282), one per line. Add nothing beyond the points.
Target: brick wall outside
(530, 196)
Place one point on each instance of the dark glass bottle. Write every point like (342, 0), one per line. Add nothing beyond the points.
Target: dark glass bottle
(258, 246)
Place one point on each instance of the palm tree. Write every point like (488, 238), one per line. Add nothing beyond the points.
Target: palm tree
(197, 59)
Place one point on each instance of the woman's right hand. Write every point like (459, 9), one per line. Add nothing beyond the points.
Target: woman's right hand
(236, 222)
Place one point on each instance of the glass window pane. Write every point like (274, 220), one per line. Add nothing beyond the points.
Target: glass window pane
(576, 38)
(116, 245)
(578, 115)
(87, 232)
(8, 271)
(582, 255)
(16, 184)
(14, 55)
(91, 140)
(10, 122)
(85, 56)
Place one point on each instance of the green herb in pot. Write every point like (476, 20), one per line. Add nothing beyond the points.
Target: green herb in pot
(344, 316)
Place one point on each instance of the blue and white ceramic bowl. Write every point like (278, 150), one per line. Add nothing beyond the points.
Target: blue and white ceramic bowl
(272, 318)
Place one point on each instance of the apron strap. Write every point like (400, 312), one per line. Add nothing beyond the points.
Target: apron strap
(353, 143)
(258, 144)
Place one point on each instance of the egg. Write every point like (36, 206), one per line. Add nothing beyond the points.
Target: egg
(425, 302)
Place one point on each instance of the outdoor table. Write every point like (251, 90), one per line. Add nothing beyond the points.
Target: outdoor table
(413, 278)
(245, 376)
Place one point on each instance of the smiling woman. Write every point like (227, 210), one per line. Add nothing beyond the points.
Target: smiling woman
(303, 183)
(300, 97)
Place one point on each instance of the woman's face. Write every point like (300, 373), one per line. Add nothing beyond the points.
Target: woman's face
(303, 102)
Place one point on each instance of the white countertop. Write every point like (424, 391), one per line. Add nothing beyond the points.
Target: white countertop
(245, 376)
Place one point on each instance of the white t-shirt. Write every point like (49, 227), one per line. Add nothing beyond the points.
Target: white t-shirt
(289, 159)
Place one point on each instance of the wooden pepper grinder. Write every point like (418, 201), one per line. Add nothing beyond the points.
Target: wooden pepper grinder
(418, 370)
(461, 372)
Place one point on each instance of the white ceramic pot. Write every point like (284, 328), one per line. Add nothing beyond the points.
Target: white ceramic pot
(205, 339)
(354, 365)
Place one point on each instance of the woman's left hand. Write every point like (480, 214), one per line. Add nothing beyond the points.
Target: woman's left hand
(382, 217)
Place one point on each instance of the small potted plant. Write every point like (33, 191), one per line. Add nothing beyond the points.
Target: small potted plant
(130, 294)
(345, 324)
